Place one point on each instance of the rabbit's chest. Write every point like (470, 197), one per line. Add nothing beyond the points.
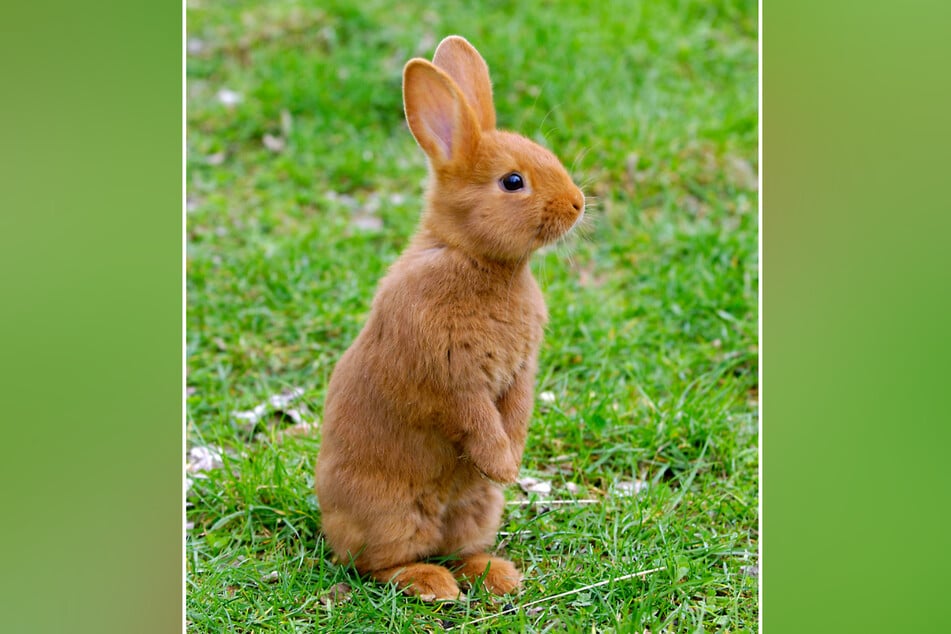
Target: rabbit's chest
(495, 344)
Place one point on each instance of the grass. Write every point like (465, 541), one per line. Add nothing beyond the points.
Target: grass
(650, 357)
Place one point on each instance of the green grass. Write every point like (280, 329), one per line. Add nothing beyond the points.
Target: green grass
(650, 355)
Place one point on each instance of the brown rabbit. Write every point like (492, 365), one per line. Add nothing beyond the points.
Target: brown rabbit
(427, 411)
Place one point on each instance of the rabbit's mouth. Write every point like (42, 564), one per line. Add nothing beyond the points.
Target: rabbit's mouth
(559, 219)
(556, 229)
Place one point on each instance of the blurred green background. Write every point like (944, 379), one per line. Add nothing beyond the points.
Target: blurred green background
(855, 300)
(91, 299)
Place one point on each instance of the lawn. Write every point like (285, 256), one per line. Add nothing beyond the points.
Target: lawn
(304, 184)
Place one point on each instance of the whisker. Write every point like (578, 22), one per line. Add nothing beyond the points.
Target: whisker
(578, 158)
(537, 97)
(545, 134)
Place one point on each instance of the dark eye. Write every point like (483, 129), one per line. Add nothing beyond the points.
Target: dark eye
(512, 182)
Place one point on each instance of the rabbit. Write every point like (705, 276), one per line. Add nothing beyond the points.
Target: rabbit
(426, 413)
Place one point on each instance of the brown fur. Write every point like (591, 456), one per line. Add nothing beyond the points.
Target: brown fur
(428, 409)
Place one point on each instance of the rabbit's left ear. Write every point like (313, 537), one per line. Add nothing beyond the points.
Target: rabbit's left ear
(463, 63)
(439, 115)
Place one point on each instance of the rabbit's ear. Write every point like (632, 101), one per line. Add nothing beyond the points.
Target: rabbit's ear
(463, 63)
(438, 114)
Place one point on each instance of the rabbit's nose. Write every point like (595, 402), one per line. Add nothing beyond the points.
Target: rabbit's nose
(577, 201)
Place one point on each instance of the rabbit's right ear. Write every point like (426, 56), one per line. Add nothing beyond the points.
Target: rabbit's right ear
(462, 62)
(438, 114)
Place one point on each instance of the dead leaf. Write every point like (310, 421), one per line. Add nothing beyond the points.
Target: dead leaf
(534, 485)
(300, 429)
(345, 200)
(630, 166)
(229, 97)
(339, 593)
(195, 46)
(286, 397)
(741, 173)
(562, 469)
(287, 122)
(274, 143)
(204, 459)
(367, 222)
(276, 412)
(628, 488)
(252, 415)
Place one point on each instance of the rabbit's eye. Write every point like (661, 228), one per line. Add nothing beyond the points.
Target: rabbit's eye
(512, 182)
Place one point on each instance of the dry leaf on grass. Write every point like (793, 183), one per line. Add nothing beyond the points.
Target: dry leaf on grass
(274, 143)
(741, 173)
(229, 98)
(629, 488)
(339, 593)
(286, 397)
(204, 459)
(534, 485)
(300, 429)
(556, 469)
(252, 415)
(364, 213)
(275, 411)
(367, 222)
(195, 46)
(287, 122)
(546, 504)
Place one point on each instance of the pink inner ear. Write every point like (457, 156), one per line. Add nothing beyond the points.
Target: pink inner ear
(440, 124)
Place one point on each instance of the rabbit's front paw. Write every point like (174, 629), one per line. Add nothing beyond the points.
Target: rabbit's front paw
(495, 462)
